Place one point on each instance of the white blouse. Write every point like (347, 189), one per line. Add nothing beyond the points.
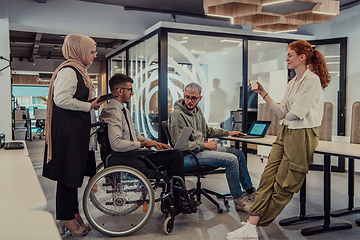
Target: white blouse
(65, 85)
(304, 99)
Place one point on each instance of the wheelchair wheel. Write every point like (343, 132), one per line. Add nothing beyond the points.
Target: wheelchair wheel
(118, 201)
(168, 225)
(99, 167)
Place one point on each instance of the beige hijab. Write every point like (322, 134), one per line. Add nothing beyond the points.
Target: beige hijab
(76, 49)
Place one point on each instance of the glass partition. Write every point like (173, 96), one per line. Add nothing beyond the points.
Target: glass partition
(331, 53)
(214, 60)
(267, 64)
(143, 69)
(215, 63)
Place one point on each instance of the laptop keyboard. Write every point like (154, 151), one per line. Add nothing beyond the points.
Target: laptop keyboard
(14, 145)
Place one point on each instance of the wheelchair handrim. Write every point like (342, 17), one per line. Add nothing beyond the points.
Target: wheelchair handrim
(110, 170)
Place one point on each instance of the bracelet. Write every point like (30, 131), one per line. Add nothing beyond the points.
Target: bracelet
(265, 96)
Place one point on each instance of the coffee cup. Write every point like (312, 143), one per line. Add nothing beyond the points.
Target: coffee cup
(254, 84)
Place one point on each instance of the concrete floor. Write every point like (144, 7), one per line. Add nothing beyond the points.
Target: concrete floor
(208, 224)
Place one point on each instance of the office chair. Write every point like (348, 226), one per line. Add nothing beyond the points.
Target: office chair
(198, 171)
(40, 115)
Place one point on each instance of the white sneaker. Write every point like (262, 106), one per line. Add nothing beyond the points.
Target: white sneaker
(242, 203)
(247, 231)
(233, 232)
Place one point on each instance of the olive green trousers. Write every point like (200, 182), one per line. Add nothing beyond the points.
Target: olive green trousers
(285, 172)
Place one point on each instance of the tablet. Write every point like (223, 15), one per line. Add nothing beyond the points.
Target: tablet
(104, 97)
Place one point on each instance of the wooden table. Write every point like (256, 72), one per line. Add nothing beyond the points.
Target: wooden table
(29, 225)
(340, 149)
(20, 187)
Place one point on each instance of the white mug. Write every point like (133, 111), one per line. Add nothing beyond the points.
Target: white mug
(254, 84)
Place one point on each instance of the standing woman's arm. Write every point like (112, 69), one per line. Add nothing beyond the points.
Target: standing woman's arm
(65, 86)
(281, 112)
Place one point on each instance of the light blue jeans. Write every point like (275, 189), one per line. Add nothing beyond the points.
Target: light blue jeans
(234, 162)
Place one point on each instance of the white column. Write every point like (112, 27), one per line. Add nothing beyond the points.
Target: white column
(5, 75)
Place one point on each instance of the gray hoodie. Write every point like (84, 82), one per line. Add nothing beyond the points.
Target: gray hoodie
(181, 117)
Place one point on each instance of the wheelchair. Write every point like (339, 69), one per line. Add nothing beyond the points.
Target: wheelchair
(120, 199)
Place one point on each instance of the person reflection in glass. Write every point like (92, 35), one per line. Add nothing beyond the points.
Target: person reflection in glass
(218, 103)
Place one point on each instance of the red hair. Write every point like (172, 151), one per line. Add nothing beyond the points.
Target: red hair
(314, 59)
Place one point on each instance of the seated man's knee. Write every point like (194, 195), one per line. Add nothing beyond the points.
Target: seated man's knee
(232, 161)
(236, 152)
(240, 155)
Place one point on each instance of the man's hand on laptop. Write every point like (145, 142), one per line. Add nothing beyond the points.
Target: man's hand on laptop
(212, 145)
(153, 143)
(235, 133)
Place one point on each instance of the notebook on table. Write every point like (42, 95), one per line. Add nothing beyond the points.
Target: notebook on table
(258, 129)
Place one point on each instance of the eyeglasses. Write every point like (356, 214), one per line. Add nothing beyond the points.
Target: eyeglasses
(193, 98)
(130, 89)
(94, 53)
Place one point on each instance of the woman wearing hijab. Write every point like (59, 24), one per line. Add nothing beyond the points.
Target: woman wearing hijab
(69, 155)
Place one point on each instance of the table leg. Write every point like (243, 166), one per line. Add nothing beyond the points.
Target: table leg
(244, 149)
(30, 131)
(327, 205)
(302, 217)
(237, 145)
(351, 188)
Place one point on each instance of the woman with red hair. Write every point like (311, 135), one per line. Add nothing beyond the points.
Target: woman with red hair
(301, 112)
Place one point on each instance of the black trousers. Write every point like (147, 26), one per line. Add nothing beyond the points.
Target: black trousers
(172, 161)
(67, 204)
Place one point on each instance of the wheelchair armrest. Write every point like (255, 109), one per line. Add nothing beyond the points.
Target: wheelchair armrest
(139, 154)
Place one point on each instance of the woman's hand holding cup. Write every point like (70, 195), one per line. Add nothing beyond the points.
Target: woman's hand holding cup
(255, 86)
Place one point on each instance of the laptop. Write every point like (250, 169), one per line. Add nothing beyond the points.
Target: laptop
(181, 142)
(258, 129)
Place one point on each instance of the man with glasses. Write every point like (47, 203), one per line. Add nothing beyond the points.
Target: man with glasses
(124, 137)
(187, 113)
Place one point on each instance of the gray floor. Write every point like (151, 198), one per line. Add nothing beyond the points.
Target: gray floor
(208, 224)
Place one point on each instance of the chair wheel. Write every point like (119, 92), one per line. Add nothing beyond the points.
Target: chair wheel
(220, 210)
(168, 225)
(226, 201)
(357, 222)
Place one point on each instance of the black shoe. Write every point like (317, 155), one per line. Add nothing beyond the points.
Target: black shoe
(189, 204)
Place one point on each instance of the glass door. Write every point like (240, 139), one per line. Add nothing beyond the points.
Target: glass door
(334, 51)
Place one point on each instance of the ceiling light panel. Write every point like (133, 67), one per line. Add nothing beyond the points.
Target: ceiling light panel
(274, 15)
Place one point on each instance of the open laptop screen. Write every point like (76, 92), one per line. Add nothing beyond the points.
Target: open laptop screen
(259, 128)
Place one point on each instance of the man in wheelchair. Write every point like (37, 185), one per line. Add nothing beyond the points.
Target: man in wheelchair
(123, 137)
